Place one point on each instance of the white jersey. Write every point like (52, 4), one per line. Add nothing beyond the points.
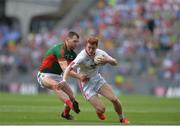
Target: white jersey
(86, 64)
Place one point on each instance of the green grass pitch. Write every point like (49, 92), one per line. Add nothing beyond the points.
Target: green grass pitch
(43, 109)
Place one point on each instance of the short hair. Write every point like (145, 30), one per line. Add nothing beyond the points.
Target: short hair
(92, 40)
(71, 34)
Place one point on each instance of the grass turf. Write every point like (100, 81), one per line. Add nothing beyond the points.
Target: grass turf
(43, 109)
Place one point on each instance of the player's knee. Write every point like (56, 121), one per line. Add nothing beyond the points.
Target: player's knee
(115, 100)
(56, 87)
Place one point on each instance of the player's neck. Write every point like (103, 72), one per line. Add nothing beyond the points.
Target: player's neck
(67, 45)
(89, 54)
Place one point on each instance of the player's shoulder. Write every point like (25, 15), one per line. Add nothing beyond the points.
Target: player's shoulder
(100, 51)
(55, 48)
(59, 44)
(82, 52)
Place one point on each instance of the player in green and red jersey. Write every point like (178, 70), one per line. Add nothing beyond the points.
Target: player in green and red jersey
(55, 61)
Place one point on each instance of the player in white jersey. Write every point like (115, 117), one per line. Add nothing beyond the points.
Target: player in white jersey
(96, 84)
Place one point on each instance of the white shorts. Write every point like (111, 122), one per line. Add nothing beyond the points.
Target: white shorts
(91, 87)
(55, 77)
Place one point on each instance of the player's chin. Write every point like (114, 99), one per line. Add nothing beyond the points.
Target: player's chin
(92, 54)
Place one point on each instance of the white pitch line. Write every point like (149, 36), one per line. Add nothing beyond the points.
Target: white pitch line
(84, 109)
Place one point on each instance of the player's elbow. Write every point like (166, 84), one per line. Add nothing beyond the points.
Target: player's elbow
(114, 62)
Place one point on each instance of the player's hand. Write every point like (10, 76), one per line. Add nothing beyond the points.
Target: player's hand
(84, 78)
(102, 60)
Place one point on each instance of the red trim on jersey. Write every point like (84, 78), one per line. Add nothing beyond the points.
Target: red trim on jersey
(48, 62)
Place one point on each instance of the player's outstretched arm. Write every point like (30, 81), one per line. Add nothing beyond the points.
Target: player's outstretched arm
(72, 73)
(107, 59)
(111, 60)
(66, 73)
(69, 71)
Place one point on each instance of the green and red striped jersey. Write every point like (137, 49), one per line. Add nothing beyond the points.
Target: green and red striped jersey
(57, 52)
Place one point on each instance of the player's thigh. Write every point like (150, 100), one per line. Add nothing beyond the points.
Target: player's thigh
(49, 82)
(97, 103)
(107, 92)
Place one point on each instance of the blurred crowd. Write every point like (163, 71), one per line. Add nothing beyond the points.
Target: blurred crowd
(143, 35)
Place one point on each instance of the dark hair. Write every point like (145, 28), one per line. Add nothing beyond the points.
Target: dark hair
(71, 34)
(92, 40)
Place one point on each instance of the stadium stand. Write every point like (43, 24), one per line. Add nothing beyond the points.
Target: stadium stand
(142, 35)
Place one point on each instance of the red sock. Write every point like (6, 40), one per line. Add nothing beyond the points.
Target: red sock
(101, 115)
(66, 110)
(69, 103)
